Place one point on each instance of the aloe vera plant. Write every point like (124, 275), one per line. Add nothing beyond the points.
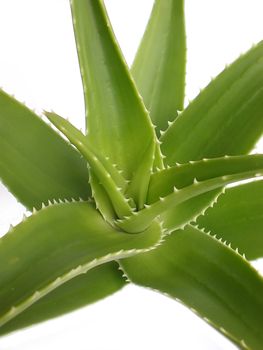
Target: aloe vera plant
(141, 194)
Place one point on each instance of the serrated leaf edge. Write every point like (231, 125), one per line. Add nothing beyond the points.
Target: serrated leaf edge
(139, 221)
(171, 123)
(80, 269)
(240, 342)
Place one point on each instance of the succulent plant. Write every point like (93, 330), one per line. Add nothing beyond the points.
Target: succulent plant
(141, 196)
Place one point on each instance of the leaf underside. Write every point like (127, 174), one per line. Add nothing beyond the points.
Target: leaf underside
(209, 277)
(82, 290)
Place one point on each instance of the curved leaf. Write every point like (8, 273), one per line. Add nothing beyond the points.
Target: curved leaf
(80, 291)
(240, 168)
(101, 198)
(48, 167)
(237, 217)
(159, 65)
(226, 117)
(210, 278)
(163, 182)
(104, 171)
(117, 122)
(55, 245)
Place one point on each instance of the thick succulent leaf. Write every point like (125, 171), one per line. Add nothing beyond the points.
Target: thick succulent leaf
(226, 117)
(158, 157)
(117, 121)
(82, 290)
(55, 245)
(163, 182)
(213, 280)
(36, 164)
(78, 139)
(101, 198)
(237, 217)
(159, 65)
(104, 171)
(49, 168)
(164, 196)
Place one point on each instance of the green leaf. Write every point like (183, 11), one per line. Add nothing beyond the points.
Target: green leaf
(80, 291)
(118, 124)
(102, 200)
(164, 196)
(226, 117)
(55, 245)
(104, 171)
(162, 183)
(49, 168)
(159, 65)
(210, 278)
(237, 217)
(36, 164)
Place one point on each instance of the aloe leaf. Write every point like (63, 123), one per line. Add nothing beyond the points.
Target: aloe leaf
(101, 199)
(55, 245)
(229, 109)
(36, 164)
(49, 168)
(159, 65)
(213, 280)
(164, 196)
(237, 217)
(118, 124)
(80, 291)
(106, 174)
(78, 139)
(162, 183)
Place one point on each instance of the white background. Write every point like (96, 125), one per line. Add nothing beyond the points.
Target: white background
(38, 64)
